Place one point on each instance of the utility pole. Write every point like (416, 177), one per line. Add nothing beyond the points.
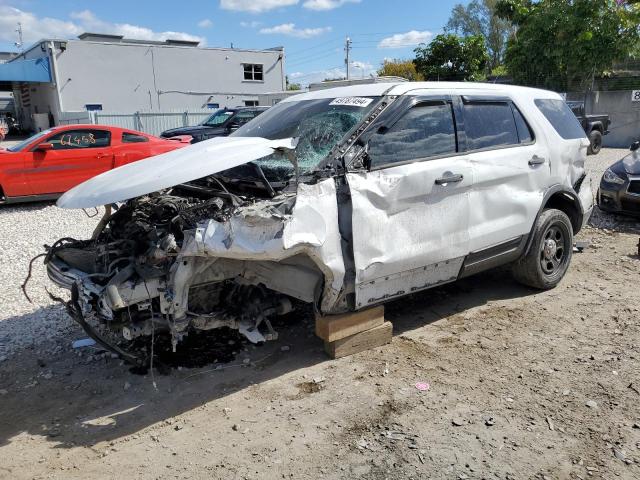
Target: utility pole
(347, 49)
(19, 43)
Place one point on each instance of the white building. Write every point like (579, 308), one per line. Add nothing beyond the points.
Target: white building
(111, 73)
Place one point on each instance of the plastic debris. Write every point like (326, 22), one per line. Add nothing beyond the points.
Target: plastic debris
(423, 386)
(84, 342)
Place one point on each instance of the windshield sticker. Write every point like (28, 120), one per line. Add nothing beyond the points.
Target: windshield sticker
(352, 101)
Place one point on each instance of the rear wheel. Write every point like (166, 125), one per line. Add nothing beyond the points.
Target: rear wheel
(595, 139)
(550, 253)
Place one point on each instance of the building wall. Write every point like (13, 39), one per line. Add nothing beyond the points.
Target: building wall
(131, 77)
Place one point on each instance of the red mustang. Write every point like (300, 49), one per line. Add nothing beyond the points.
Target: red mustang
(49, 163)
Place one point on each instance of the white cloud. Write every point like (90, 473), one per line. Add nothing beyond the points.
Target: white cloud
(252, 24)
(290, 30)
(206, 23)
(326, 4)
(358, 70)
(255, 6)
(35, 28)
(409, 39)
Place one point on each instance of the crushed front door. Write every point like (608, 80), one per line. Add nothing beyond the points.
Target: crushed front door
(411, 209)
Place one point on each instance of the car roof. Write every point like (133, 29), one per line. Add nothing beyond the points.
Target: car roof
(407, 88)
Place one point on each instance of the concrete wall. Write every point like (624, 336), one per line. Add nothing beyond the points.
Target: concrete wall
(624, 115)
(132, 77)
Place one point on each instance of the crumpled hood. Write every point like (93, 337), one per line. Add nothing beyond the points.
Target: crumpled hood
(631, 163)
(170, 169)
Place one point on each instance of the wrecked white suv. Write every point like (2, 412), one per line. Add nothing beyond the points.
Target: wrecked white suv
(337, 199)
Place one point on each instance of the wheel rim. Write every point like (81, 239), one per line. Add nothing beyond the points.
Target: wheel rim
(552, 250)
(596, 143)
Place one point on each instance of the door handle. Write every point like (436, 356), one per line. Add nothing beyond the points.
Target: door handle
(536, 160)
(449, 178)
(101, 155)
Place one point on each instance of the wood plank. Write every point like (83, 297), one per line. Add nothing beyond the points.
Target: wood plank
(372, 338)
(334, 327)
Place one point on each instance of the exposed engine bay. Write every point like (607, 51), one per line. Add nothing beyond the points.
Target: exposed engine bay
(199, 256)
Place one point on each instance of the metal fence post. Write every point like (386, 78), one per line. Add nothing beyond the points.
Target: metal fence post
(185, 119)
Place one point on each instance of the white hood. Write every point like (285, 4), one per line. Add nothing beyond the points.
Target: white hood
(170, 169)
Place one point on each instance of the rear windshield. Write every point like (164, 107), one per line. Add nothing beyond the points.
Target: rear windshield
(561, 118)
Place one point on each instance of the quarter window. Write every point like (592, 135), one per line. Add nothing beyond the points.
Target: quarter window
(561, 118)
(524, 131)
(79, 139)
(128, 137)
(426, 130)
(253, 71)
(489, 124)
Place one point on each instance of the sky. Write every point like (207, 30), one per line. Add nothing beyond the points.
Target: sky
(313, 32)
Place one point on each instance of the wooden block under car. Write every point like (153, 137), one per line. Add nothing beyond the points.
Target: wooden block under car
(334, 327)
(372, 338)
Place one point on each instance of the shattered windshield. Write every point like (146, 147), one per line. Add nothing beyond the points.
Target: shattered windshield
(217, 118)
(318, 124)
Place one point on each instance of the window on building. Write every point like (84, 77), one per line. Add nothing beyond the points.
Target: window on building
(128, 137)
(93, 107)
(426, 130)
(489, 124)
(561, 118)
(253, 71)
(214, 106)
(251, 103)
(77, 139)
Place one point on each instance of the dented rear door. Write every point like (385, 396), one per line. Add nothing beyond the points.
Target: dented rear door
(411, 208)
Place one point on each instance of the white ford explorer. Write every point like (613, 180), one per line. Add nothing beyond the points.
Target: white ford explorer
(339, 199)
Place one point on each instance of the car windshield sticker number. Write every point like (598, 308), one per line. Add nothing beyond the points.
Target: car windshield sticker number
(77, 140)
(352, 101)
(635, 96)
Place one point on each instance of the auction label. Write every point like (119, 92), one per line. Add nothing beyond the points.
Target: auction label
(352, 101)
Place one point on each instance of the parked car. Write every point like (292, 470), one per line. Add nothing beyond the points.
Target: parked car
(222, 123)
(51, 162)
(337, 199)
(595, 126)
(619, 190)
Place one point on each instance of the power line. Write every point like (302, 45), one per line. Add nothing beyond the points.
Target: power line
(312, 59)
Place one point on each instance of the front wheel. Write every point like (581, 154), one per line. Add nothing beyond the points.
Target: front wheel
(549, 255)
(595, 142)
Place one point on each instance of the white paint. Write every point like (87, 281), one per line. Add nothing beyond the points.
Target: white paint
(169, 169)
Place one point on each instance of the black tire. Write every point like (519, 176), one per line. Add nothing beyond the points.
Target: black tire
(595, 142)
(550, 252)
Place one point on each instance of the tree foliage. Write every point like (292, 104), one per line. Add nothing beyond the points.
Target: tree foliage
(479, 18)
(449, 57)
(562, 44)
(400, 68)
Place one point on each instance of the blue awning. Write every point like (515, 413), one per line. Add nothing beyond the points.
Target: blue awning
(35, 70)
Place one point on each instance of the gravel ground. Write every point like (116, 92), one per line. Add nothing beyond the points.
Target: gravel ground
(523, 384)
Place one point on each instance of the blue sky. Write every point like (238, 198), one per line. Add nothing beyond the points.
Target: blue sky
(312, 31)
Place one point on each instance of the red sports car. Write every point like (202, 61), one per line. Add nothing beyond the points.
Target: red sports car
(49, 163)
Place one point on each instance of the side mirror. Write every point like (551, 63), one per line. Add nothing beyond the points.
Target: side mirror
(43, 147)
(635, 146)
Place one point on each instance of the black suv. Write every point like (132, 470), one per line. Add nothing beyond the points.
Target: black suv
(220, 124)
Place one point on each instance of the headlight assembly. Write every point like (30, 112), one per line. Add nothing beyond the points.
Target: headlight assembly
(611, 177)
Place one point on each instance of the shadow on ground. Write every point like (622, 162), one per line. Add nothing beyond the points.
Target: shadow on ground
(84, 403)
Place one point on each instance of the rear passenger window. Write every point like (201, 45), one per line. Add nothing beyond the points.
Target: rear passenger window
(489, 124)
(133, 138)
(426, 130)
(561, 118)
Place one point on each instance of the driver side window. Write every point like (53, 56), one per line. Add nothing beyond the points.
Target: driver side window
(426, 130)
(80, 139)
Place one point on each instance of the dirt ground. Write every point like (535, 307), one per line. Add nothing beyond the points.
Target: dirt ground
(523, 384)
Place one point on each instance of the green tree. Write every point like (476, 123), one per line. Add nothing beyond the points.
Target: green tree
(449, 57)
(479, 18)
(293, 86)
(561, 45)
(400, 68)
